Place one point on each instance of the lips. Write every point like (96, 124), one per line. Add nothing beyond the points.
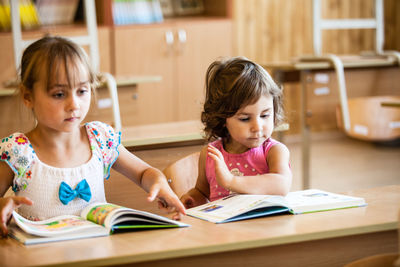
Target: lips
(72, 119)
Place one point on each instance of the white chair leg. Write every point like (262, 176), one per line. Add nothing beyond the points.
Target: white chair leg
(112, 89)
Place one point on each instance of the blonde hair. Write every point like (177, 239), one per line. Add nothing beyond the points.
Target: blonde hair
(46, 54)
(231, 84)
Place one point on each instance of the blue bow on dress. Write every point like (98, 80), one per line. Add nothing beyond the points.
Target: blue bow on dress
(82, 190)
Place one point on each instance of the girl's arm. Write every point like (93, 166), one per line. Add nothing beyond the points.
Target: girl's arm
(201, 192)
(8, 204)
(150, 179)
(277, 182)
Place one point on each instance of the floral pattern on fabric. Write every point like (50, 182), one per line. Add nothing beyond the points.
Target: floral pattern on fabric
(18, 153)
(104, 142)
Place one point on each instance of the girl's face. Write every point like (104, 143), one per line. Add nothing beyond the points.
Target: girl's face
(60, 107)
(250, 126)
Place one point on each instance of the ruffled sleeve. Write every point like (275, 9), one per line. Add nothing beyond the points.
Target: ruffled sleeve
(270, 142)
(17, 152)
(105, 141)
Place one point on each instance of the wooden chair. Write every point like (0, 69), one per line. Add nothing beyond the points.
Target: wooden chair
(182, 174)
(355, 114)
(378, 124)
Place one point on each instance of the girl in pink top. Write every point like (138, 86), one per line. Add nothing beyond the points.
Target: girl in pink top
(242, 106)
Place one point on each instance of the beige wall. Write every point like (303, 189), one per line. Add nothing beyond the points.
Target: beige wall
(278, 30)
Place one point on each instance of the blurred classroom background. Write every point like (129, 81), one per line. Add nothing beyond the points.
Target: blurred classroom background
(177, 40)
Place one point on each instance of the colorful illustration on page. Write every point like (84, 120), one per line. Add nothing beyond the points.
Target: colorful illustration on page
(99, 213)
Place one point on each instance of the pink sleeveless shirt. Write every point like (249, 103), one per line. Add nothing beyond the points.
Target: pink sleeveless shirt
(250, 163)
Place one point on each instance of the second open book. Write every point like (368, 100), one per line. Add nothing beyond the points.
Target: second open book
(97, 219)
(240, 207)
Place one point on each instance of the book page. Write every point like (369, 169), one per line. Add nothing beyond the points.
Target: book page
(317, 200)
(113, 216)
(60, 225)
(237, 207)
(230, 206)
(99, 212)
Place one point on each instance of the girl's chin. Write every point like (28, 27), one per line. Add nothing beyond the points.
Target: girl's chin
(256, 142)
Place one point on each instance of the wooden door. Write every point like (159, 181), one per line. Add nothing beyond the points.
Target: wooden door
(142, 50)
(205, 41)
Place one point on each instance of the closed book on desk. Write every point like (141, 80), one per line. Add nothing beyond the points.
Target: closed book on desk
(97, 219)
(240, 206)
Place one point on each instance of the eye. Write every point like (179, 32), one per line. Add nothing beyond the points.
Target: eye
(244, 119)
(58, 94)
(83, 90)
(265, 115)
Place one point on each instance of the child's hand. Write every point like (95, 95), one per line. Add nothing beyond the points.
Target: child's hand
(7, 205)
(188, 201)
(167, 200)
(193, 198)
(223, 175)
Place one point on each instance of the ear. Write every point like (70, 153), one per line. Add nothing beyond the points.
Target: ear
(27, 97)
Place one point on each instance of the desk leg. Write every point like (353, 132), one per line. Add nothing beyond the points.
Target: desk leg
(305, 133)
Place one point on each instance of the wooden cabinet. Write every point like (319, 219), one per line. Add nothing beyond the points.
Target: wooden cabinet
(7, 66)
(143, 51)
(206, 41)
(180, 52)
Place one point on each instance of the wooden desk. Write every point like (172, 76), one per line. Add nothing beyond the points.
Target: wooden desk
(329, 238)
(162, 134)
(169, 134)
(299, 71)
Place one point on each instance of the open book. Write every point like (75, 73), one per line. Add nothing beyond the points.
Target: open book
(237, 207)
(97, 219)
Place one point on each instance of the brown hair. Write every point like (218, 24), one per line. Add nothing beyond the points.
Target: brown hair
(46, 54)
(231, 84)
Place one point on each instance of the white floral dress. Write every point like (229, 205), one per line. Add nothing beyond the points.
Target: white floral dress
(41, 182)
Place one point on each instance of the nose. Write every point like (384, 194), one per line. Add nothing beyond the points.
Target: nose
(256, 126)
(72, 102)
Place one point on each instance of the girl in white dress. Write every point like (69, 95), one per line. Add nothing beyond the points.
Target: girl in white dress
(60, 165)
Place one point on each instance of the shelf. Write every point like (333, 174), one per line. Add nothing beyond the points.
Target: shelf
(212, 9)
(122, 81)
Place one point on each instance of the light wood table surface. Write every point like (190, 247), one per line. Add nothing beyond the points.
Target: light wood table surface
(329, 238)
(162, 133)
(169, 133)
